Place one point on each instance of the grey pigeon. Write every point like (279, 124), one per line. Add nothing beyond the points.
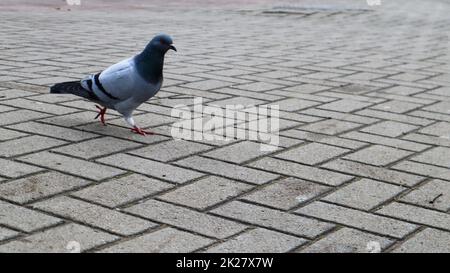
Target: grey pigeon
(125, 85)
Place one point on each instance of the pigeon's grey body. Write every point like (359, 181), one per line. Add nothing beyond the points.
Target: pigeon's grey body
(124, 88)
(127, 84)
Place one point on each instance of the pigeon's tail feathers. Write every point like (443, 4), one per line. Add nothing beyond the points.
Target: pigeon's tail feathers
(74, 88)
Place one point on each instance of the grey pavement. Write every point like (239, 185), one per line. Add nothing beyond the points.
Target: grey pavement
(364, 153)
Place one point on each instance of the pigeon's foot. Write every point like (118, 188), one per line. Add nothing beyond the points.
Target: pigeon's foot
(138, 130)
(101, 114)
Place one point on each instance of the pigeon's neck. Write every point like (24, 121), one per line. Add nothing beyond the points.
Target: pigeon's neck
(149, 65)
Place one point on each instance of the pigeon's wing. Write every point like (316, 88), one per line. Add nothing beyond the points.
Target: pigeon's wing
(116, 83)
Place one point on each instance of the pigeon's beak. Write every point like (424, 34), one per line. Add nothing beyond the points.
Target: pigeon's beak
(173, 47)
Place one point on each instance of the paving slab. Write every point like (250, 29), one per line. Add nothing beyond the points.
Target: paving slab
(94, 215)
(258, 240)
(427, 241)
(206, 192)
(206, 224)
(167, 240)
(119, 191)
(62, 239)
(348, 240)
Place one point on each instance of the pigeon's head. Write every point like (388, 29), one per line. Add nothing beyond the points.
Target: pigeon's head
(162, 43)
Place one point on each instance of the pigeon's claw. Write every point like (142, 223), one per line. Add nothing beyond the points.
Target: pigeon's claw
(138, 130)
(101, 114)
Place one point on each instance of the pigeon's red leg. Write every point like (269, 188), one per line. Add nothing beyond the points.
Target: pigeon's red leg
(138, 130)
(101, 114)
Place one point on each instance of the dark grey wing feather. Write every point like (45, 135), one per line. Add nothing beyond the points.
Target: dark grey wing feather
(74, 88)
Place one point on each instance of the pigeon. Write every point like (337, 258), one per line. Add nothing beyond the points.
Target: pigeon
(125, 85)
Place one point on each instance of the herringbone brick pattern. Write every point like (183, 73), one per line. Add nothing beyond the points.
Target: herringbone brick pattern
(364, 153)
